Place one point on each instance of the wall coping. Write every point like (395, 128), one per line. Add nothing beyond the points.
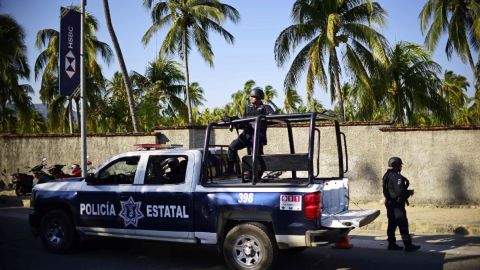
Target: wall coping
(429, 128)
(10, 135)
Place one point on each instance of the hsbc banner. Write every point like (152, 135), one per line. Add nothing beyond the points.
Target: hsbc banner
(69, 51)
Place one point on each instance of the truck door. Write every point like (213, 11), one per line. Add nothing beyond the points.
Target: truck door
(166, 197)
(108, 205)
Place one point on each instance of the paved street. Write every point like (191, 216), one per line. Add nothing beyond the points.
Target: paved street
(19, 250)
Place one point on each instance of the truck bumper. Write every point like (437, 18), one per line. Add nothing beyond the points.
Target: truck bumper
(325, 237)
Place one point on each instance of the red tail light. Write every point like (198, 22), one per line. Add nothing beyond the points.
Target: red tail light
(313, 204)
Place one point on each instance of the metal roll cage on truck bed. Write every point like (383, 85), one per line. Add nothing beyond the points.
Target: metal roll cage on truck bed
(167, 193)
(282, 162)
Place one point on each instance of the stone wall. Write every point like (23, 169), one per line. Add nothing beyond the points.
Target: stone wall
(443, 164)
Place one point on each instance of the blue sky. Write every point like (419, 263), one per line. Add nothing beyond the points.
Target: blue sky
(251, 56)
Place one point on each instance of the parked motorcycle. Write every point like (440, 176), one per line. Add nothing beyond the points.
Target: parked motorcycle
(40, 175)
(22, 183)
(57, 171)
(76, 170)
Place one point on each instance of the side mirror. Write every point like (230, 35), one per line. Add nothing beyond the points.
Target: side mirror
(90, 179)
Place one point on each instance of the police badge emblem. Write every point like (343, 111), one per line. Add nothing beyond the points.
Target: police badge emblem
(131, 212)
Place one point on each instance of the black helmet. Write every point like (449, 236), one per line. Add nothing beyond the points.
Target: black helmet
(170, 163)
(394, 162)
(257, 92)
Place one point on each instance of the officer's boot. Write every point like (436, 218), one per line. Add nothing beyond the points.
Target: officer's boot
(392, 245)
(409, 247)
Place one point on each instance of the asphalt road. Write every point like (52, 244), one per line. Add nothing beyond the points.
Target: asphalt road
(20, 250)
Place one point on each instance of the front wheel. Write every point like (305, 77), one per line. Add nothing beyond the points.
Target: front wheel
(57, 232)
(250, 246)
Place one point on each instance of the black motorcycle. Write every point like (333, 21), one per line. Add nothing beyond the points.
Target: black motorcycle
(22, 183)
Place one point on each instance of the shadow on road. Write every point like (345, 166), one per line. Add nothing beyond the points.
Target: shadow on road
(20, 250)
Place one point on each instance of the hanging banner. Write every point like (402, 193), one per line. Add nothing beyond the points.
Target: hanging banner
(69, 51)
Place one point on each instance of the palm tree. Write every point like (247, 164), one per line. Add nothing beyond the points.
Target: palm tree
(163, 89)
(190, 22)
(460, 20)
(292, 101)
(475, 108)
(351, 101)
(116, 100)
(47, 65)
(196, 94)
(13, 66)
(270, 93)
(453, 90)
(410, 83)
(326, 25)
(123, 67)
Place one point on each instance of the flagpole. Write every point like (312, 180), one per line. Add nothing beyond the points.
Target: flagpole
(83, 125)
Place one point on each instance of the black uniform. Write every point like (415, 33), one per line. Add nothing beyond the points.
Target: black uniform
(396, 193)
(245, 139)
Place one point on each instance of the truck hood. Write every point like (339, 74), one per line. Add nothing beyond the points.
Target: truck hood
(66, 184)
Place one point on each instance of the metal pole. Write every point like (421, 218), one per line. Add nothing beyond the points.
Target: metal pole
(83, 125)
(70, 113)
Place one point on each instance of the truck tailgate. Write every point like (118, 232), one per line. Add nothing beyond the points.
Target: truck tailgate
(349, 218)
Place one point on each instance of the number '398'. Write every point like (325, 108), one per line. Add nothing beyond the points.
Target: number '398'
(245, 197)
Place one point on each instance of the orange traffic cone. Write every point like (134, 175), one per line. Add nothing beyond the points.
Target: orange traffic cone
(343, 244)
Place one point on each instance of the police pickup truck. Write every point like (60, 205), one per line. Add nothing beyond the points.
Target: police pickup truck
(180, 195)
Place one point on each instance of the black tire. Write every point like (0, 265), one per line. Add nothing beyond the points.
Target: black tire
(18, 191)
(250, 246)
(57, 232)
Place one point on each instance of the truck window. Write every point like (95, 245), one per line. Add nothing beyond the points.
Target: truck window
(163, 170)
(120, 171)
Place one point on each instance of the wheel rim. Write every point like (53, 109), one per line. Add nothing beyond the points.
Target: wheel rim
(55, 233)
(247, 251)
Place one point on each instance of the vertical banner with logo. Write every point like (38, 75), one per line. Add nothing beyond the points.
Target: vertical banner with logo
(69, 51)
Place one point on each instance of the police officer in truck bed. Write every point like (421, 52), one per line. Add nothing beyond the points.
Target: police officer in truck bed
(245, 139)
(396, 192)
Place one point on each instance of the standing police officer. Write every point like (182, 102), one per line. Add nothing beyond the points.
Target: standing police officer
(396, 192)
(245, 139)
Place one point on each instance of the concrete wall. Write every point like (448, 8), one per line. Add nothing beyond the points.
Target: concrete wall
(442, 164)
(18, 152)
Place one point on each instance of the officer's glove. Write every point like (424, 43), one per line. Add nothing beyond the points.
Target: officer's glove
(226, 119)
(229, 119)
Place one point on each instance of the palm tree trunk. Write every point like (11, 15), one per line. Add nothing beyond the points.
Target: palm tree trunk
(123, 67)
(187, 80)
(338, 88)
(472, 64)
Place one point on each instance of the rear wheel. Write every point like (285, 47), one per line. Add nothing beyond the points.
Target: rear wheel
(18, 191)
(57, 232)
(250, 246)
